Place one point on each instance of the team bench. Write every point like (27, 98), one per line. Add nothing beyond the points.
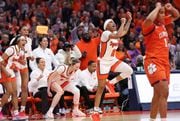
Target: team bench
(69, 98)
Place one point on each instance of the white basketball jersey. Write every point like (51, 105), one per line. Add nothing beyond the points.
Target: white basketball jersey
(108, 46)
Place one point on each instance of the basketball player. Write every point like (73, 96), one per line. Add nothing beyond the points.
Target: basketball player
(108, 62)
(14, 56)
(59, 80)
(156, 62)
(23, 76)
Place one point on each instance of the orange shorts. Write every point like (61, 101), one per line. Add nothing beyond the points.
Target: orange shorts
(4, 78)
(156, 70)
(104, 67)
(24, 70)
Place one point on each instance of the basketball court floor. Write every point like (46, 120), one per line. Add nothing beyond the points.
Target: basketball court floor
(121, 116)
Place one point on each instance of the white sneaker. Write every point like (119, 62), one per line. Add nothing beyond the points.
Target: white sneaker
(49, 115)
(78, 113)
(62, 111)
(99, 110)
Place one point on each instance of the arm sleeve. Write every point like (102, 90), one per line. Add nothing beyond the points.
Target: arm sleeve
(168, 20)
(147, 30)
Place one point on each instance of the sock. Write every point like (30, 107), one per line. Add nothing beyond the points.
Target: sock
(22, 108)
(163, 119)
(16, 112)
(152, 119)
(0, 109)
(114, 81)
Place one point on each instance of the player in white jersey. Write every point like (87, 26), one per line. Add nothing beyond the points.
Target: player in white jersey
(23, 76)
(14, 56)
(58, 80)
(108, 62)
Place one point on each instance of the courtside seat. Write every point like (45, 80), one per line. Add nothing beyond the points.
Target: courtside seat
(70, 98)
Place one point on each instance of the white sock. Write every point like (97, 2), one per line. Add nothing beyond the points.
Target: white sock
(16, 112)
(22, 108)
(114, 81)
(152, 119)
(163, 119)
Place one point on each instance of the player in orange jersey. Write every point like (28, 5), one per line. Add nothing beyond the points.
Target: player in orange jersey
(108, 62)
(156, 62)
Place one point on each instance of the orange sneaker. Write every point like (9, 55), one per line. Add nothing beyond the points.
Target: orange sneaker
(110, 87)
(95, 117)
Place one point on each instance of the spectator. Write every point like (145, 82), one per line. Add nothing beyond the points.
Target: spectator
(89, 49)
(133, 53)
(67, 52)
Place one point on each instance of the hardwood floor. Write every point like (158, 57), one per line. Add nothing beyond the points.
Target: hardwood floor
(123, 116)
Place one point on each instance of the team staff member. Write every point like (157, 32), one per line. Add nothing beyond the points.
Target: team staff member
(156, 64)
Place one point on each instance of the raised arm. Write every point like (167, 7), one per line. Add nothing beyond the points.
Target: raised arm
(127, 25)
(152, 16)
(174, 12)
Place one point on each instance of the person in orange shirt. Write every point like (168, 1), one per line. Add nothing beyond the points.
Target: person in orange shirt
(156, 63)
(89, 49)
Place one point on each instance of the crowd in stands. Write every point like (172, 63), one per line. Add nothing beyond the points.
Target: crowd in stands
(74, 30)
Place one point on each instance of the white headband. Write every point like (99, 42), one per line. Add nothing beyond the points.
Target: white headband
(106, 23)
(21, 37)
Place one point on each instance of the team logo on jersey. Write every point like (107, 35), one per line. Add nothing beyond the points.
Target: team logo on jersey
(114, 44)
(152, 68)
